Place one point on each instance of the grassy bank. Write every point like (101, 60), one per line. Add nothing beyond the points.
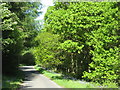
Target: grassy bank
(70, 83)
(63, 81)
(12, 82)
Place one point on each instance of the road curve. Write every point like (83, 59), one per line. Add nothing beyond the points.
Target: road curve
(34, 79)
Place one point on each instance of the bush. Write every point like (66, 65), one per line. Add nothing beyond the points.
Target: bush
(27, 58)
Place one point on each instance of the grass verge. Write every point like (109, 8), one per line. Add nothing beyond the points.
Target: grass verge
(64, 82)
(12, 82)
(70, 83)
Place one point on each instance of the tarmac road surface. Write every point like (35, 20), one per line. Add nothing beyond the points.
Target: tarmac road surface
(34, 79)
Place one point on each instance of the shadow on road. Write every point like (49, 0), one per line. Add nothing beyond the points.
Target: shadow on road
(35, 79)
(30, 74)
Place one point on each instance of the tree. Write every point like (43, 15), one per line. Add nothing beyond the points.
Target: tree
(46, 51)
(17, 32)
(64, 19)
(27, 12)
(89, 38)
(11, 38)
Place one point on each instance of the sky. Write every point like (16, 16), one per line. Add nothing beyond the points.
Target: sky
(46, 4)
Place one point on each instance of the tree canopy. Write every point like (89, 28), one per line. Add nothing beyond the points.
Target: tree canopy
(17, 33)
(89, 42)
(79, 39)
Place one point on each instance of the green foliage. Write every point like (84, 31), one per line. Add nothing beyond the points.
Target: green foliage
(12, 83)
(11, 37)
(27, 58)
(104, 41)
(106, 65)
(16, 32)
(45, 53)
(89, 40)
(26, 12)
(70, 46)
(64, 19)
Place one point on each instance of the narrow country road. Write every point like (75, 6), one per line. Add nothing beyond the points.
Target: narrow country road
(34, 79)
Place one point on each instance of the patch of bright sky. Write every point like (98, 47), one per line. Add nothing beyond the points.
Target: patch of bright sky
(46, 4)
